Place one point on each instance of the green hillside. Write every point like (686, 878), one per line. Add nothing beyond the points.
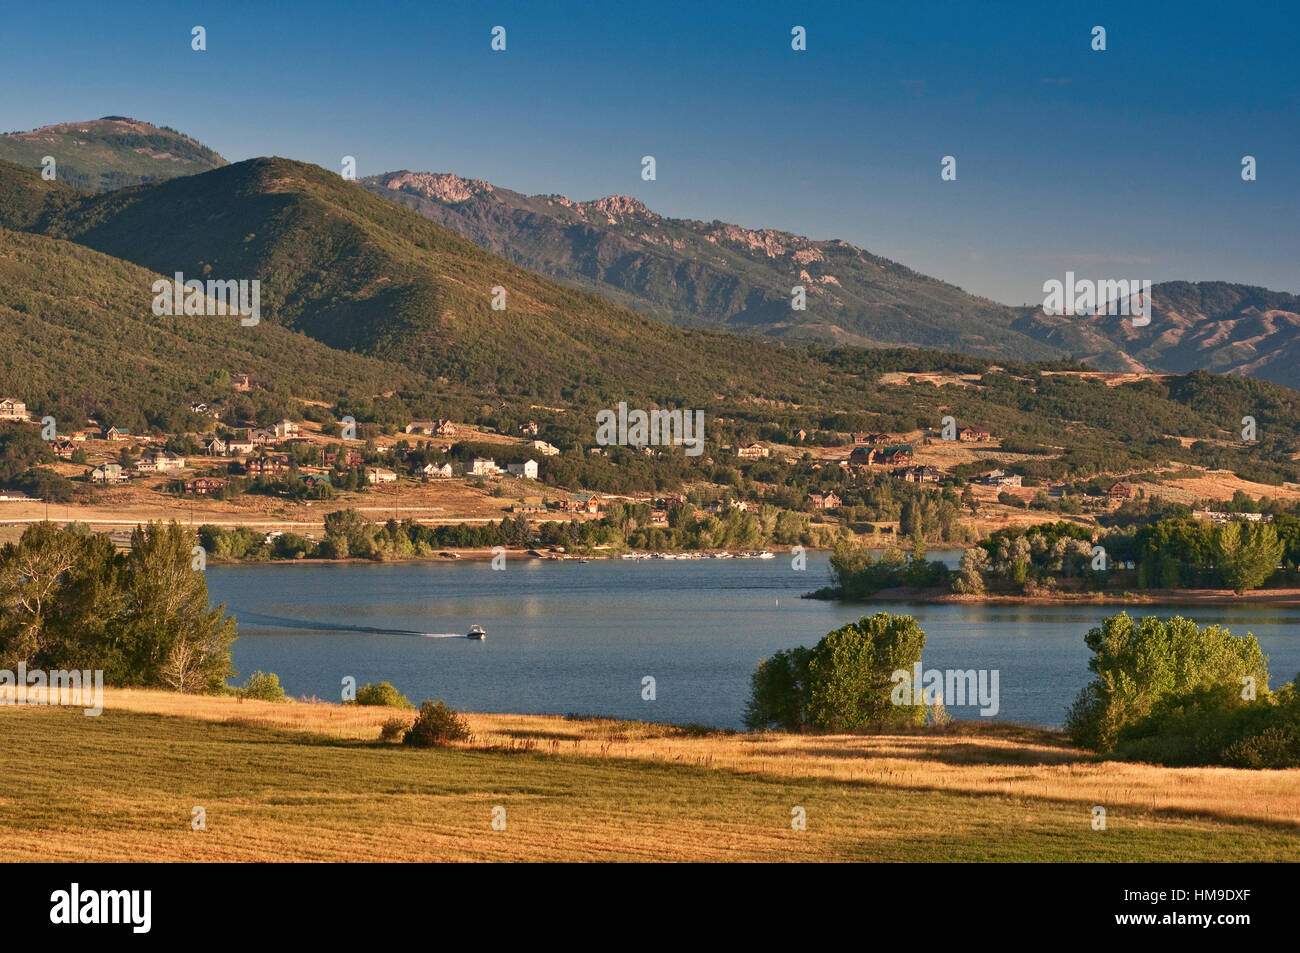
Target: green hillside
(109, 153)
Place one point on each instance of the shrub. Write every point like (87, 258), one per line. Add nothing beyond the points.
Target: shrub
(436, 725)
(263, 686)
(393, 729)
(382, 693)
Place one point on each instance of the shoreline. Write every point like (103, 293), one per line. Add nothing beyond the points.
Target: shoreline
(1163, 597)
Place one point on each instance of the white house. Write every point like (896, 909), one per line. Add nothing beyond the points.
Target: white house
(544, 448)
(12, 409)
(381, 475)
(482, 467)
(527, 469)
(431, 471)
(286, 428)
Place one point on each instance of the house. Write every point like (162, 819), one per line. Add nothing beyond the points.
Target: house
(530, 504)
(888, 455)
(431, 471)
(824, 501)
(216, 447)
(484, 467)
(16, 496)
(146, 465)
(544, 448)
(107, 473)
(658, 517)
(801, 435)
(117, 433)
(999, 478)
(380, 475)
(1120, 491)
(527, 470)
(426, 427)
(530, 429)
(267, 463)
(925, 474)
(263, 436)
(752, 451)
(974, 434)
(241, 382)
(584, 503)
(63, 448)
(862, 456)
(168, 462)
(447, 429)
(12, 409)
(204, 486)
(239, 447)
(351, 458)
(313, 480)
(286, 429)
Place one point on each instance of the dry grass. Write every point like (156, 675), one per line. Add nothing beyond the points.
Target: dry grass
(1002, 761)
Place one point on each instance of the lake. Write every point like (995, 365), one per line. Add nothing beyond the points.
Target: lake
(580, 637)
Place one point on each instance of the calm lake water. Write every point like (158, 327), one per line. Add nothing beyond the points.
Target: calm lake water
(580, 637)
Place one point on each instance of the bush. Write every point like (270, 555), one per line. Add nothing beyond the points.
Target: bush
(263, 686)
(393, 729)
(383, 694)
(436, 726)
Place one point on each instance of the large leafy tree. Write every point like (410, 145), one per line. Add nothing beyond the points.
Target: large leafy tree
(1140, 663)
(1247, 554)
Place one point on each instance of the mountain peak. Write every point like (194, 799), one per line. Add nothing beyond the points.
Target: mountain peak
(442, 186)
(614, 206)
(110, 152)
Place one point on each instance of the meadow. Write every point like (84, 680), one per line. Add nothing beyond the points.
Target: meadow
(312, 782)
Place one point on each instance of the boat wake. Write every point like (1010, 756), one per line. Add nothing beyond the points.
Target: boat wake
(313, 625)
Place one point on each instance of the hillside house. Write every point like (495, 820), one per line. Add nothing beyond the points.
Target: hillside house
(526, 470)
(239, 447)
(117, 433)
(753, 451)
(168, 462)
(351, 458)
(431, 471)
(241, 382)
(484, 467)
(544, 448)
(974, 434)
(824, 501)
(530, 504)
(426, 427)
(63, 448)
(263, 436)
(584, 503)
(13, 409)
(286, 429)
(380, 475)
(267, 464)
(885, 456)
(216, 447)
(999, 478)
(1120, 491)
(108, 473)
(447, 429)
(918, 474)
(204, 486)
(529, 429)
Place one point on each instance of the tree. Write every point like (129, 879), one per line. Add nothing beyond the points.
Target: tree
(1247, 554)
(849, 671)
(970, 574)
(778, 691)
(1140, 663)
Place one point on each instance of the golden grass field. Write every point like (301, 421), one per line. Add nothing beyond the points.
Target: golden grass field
(311, 781)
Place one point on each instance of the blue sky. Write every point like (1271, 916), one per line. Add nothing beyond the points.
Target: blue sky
(1123, 163)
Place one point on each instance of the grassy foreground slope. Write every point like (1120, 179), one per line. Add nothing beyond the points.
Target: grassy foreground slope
(303, 782)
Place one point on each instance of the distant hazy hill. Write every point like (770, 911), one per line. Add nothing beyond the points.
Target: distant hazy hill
(1209, 325)
(715, 275)
(109, 153)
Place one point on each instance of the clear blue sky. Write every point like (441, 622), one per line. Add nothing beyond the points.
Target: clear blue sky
(1124, 163)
